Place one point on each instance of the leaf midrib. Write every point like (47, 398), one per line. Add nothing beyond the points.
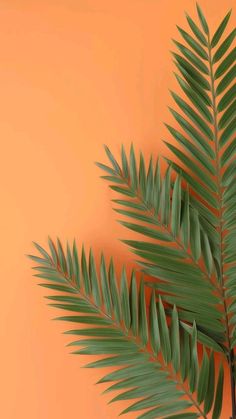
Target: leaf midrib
(219, 187)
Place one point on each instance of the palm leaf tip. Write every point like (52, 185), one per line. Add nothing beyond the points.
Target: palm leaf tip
(202, 19)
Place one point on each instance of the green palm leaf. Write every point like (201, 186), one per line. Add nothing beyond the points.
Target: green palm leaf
(208, 175)
(164, 215)
(147, 373)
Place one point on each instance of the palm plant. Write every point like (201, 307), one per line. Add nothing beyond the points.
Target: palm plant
(165, 345)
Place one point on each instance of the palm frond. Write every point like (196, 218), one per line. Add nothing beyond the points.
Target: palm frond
(207, 146)
(155, 359)
(163, 213)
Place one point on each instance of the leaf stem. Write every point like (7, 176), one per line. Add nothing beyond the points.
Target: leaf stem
(220, 229)
(232, 383)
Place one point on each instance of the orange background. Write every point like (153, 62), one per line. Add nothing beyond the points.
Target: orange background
(74, 74)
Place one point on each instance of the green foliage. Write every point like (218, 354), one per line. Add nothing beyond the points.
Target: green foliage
(150, 352)
(164, 211)
(185, 213)
(200, 229)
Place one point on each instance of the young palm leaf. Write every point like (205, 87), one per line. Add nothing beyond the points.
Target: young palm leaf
(158, 363)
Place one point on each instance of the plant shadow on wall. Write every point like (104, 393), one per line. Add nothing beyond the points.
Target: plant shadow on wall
(165, 346)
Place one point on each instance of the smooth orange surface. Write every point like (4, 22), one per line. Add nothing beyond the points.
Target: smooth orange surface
(74, 74)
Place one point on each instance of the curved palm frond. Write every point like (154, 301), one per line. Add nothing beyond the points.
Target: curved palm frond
(207, 152)
(155, 359)
(178, 252)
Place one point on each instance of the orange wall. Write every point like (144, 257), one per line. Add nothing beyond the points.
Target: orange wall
(74, 74)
